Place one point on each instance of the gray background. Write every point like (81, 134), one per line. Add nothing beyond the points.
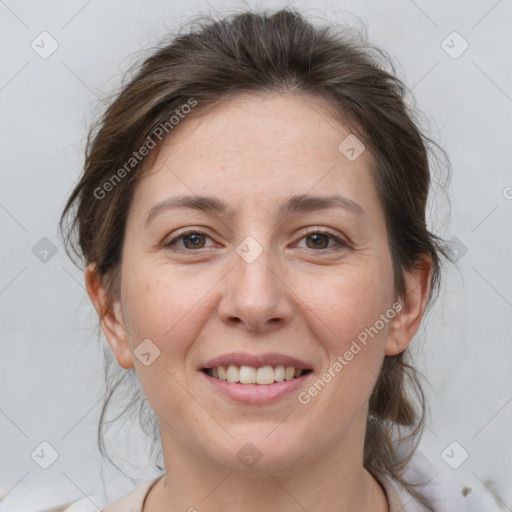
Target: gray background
(50, 368)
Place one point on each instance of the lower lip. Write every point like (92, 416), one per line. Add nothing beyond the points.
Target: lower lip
(257, 394)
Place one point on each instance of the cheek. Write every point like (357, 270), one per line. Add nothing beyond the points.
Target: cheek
(158, 307)
(162, 306)
(346, 303)
(345, 317)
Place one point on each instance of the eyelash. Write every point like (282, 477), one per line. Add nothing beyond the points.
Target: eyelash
(310, 231)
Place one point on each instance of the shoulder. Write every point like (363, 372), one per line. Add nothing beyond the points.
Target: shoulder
(131, 502)
(438, 488)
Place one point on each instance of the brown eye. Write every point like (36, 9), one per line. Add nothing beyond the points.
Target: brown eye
(194, 241)
(318, 241)
(322, 240)
(189, 241)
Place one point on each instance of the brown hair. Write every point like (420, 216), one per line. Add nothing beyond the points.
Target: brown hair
(277, 52)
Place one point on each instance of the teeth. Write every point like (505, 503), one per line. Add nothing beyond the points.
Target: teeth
(233, 374)
(247, 375)
(252, 375)
(289, 373)
(221, 371)
(264, 375)
(279, 373)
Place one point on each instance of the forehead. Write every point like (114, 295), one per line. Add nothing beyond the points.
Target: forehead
(272, 124)
(254, 149)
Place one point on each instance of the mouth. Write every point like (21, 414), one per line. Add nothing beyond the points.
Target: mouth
(262, 375)
(256, 379)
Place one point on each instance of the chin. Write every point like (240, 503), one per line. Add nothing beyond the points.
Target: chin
(260, 456)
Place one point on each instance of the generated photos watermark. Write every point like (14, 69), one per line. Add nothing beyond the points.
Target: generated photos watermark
(158, 133)
(356, 346)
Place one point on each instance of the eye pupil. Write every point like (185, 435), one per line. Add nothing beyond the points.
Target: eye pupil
(195, 240)
(319, 240)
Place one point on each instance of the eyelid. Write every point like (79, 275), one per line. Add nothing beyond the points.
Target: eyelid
(318, 230)
(181, 233)
(311, 230)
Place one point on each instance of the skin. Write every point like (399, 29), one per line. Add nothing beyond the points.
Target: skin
(253, 152)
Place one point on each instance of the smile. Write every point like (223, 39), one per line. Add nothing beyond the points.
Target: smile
(264, 375)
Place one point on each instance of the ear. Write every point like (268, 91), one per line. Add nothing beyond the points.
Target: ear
(111, 319)
(414, 302)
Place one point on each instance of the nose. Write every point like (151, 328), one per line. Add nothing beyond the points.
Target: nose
(255, 297)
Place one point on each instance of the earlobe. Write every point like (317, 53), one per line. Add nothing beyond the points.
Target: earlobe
(414, 302)
(111, 317)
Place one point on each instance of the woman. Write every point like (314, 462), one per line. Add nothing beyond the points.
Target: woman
(252, 219)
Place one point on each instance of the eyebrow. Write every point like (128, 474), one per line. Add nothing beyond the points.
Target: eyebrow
(295, 204)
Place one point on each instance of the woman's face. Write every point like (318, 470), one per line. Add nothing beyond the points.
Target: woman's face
(256, 240)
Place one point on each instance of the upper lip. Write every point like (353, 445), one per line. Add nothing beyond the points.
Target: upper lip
(256, 360)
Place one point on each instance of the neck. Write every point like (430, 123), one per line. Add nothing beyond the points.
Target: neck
(199, 485)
